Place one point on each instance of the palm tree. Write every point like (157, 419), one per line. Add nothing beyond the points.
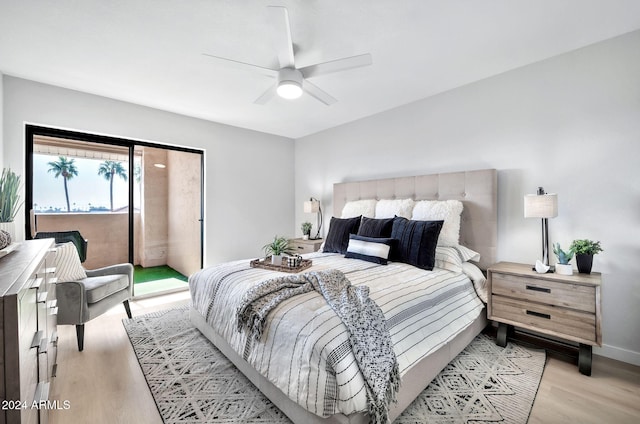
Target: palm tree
(67, 169)
(110, 169)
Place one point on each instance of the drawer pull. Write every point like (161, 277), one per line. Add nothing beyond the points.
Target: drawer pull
(42, 347)
(42, 297)
(37, 283)
(538, 314)
(301, 247)
(540, 289)
(37, 337)
(42, 393)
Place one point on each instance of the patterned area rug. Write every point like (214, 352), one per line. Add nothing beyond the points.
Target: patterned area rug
(191, 381)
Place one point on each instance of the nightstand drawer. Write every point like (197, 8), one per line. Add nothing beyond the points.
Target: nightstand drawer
(574, 296)
(574, 325)
(301, 246)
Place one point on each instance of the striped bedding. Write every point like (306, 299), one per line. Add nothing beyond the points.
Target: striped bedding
(305, 348)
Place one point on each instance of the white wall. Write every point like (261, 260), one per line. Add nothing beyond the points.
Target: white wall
(570, 124)
(242, 212)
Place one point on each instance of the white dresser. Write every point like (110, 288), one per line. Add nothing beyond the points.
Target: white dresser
(28, 336)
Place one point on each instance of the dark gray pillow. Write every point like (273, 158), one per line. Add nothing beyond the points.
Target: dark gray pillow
(338, 236)
(371, 227)
(417, 241)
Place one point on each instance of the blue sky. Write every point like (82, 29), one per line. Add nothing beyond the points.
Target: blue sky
(87, 188)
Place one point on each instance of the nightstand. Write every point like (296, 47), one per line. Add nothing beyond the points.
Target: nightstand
(563, 306)
(301, 246)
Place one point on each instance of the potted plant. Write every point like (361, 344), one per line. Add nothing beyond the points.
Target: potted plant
(306, 230)
(278, 247)
(584, 250)
(9, 200)
(563, 266)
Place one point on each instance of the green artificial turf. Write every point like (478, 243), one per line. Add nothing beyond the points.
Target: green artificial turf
(143, 275)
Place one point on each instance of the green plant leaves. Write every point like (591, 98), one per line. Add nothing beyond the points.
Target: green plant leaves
(279, 246)
(586, 247)
(9, 198)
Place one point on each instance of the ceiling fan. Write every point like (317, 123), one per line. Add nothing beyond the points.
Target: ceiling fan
(292, 81)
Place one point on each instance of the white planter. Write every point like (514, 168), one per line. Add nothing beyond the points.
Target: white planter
(564, 269)
(276, 259)
(305, 237)
(9, 227)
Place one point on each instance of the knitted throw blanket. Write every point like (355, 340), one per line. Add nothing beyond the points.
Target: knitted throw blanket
(369, 337)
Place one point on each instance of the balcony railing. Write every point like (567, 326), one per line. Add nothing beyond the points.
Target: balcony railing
(107, 234)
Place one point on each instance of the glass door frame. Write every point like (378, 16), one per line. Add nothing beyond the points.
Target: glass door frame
(32, 130)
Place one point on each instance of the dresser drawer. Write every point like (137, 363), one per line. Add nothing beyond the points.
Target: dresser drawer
(570, 324)
(28, 325)
(574, 296)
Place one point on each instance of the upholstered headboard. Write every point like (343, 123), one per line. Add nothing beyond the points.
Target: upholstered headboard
(478, 191)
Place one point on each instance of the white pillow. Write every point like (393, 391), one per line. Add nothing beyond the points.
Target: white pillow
(448, 258)
(387, 208)
(68, 266)
(452, 258)
(467, 254)
(366, 207)
(447, 210)
(478, 279)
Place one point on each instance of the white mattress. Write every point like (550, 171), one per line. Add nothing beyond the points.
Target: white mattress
(305, 351)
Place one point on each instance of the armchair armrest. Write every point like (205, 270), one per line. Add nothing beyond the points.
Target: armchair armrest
(124, 268)
(72, 303)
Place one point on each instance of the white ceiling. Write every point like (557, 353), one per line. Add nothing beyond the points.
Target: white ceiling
(149, 52)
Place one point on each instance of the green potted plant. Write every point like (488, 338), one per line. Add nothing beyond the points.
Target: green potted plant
(9, 200)
(306, 230)
(563, 266)
(584, 250)
(278, 247)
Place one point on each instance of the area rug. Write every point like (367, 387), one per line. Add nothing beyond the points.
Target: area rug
(191, 381)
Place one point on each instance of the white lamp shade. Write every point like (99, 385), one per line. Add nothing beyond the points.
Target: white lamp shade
(311, 206)
(540, 205)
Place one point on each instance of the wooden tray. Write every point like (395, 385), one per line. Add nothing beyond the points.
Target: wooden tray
(266, 264)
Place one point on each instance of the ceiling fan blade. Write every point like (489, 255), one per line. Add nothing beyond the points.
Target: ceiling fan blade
(315, 91)
(243, 66)
(266, 96)
(336, 65)
(282, 35)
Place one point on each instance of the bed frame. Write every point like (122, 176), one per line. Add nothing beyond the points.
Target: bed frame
(478, 230)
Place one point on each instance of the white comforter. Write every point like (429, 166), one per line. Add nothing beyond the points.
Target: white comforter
(305, 348)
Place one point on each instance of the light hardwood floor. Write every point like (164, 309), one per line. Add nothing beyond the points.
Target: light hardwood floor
(104, 383)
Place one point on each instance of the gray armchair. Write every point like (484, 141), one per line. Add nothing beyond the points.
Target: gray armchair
(83, 300)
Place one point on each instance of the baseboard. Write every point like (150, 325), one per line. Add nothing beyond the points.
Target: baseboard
(619, 354)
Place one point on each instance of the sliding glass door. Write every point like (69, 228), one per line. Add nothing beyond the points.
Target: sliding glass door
(134, 202)
(168, 228)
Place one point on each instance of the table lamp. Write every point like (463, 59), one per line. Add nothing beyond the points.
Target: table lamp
(542, 205)
(313, 206)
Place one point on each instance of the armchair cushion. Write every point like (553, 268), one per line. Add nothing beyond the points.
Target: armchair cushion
(68, 266)
(98, 288)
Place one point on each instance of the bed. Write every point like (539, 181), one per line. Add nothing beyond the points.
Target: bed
(301, 365)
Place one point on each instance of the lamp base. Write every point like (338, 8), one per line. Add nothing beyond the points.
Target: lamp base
(551, 269)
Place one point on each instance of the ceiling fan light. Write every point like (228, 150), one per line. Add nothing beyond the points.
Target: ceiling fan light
(289, 89)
